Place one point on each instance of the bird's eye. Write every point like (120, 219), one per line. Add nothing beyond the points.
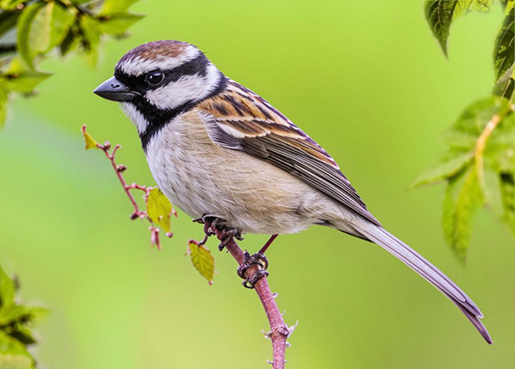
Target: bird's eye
(155, 78)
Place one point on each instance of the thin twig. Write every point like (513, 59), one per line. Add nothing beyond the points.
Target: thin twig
(279, 331)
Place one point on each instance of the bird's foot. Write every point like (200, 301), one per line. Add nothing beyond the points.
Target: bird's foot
(260, 261)
(217, 226)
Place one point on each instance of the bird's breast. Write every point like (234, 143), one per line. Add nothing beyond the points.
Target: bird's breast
(201, 178)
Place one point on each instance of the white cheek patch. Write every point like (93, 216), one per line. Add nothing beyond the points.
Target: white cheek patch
(187, 88)
(135, 116)
(138, 66)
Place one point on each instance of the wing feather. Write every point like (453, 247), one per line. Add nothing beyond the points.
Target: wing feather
(242, 120)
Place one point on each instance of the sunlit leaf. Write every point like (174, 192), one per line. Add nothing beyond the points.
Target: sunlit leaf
(473, 120)
(88, 139)
(482, 6)
(23, 82)
(508, 198)
(504, 48)
(6, 291)
(13, 354)
(202, 260)
(159, 209)
(21, 314)
(111, 7)
(91, 38)
(447, 166)
(463, 198)
(10, 4)
(41, 27)
(505, 85)
(117, 24)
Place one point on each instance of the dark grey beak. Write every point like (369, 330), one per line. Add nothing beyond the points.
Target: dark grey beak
(114, 90)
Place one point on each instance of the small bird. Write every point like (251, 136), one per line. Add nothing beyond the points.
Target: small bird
(221, 152)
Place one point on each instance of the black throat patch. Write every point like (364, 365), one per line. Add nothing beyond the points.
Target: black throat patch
(158, 118)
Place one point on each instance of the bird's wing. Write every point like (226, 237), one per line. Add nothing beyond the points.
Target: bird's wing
(239, 119)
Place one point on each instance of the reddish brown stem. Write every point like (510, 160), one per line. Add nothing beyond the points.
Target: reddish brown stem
(279, 331)
(105, 148)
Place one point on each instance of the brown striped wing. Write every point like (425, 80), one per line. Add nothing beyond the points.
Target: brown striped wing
(242, 120)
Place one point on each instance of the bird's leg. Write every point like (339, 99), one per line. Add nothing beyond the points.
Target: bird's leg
(267, 244)
(259, 259)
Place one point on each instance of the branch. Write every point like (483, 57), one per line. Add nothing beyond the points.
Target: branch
(119, 169)
(483, 138)
(279, 331)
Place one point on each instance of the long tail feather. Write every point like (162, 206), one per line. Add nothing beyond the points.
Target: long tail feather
(428, 271)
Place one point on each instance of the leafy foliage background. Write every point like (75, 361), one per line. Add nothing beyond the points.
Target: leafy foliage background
(369, 84)
(479, 166)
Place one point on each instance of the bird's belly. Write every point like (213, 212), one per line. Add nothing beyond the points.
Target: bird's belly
(202, 178)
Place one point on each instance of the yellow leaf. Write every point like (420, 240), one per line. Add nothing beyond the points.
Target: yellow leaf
(202, 260)
(159, 209)
(90, 141)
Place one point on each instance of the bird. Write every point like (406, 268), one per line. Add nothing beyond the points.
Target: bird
(221, 152)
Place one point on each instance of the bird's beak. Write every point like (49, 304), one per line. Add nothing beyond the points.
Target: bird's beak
(114, 90)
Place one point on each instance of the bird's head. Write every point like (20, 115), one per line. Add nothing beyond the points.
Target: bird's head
(158, 80)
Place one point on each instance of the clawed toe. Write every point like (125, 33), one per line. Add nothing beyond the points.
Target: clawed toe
(250, 260)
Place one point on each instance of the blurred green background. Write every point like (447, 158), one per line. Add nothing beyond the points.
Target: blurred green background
(369, 83)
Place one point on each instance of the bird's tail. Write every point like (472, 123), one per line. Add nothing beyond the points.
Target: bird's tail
(428, 271)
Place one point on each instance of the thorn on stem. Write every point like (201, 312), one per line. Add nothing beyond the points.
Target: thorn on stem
(121, 168)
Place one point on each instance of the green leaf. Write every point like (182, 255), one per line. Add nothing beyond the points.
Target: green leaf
(159, 209)
(117, 24)
(41, 27)
(463, 198)
(6, 291)
(91, 38)
(504, 48)
(508, 199)
(441, 13)
(111, 7)
(13, 354)
(70, 42)
(439, 16)
(482, 6)
(3, 104)
(21, 314)
(8, 21)
(88, 139)
(23, 82)
(472, 121)
(24, 335)
(202, 260)
(447, 166)
(10, 4)
(505, 85)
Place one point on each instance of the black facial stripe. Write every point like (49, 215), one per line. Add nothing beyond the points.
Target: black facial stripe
(197, 66)
(158, 118)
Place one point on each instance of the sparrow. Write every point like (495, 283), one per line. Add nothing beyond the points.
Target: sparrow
(216, 149)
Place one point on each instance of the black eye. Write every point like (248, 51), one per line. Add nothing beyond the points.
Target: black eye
(155, 78)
